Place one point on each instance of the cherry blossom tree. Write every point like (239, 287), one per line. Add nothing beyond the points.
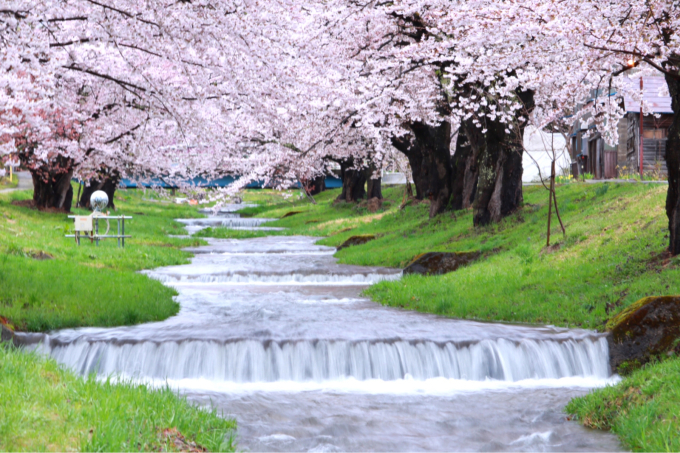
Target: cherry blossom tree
(275, 91)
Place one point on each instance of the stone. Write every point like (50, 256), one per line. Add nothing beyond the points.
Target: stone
(356, 240)
(7, 334)
(437, 263)
(41, 256)
(374, 204)
(647, 328)
(288, 214)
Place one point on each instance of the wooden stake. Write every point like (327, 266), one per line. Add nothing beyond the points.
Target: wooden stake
(550, 200)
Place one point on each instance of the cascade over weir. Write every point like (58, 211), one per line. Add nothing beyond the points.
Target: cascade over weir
(275, 333)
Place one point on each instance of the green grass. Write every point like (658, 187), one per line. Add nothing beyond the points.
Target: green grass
(643, 409)
(5, 183)
(87, 285)
(45, 408)
(610, 257)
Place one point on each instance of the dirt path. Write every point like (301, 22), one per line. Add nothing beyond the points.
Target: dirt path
(25, 182)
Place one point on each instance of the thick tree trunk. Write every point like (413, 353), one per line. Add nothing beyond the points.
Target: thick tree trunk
(108, 184)
(673, 165)
(317, 185)
(436, 145)
(374, 188)
(430, 157)
(499, 185)
(464, 173)
(415, 160)
(353, 182)
(56, 192)
(373, 185)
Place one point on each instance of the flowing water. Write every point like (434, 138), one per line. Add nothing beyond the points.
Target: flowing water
(275, 333)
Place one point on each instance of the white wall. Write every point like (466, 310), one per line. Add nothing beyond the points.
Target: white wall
(539, 145)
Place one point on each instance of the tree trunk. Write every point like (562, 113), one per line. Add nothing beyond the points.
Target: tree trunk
(56, 192)
(430, 157)
(436, 148)
(353, 182)
(499, 185)
(108, 184)
(317, 185)
(374, 188)
(673, 165)
(373, 185)
(415, 161)
(464, 173)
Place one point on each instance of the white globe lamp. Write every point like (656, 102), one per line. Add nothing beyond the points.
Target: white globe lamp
(99, 201)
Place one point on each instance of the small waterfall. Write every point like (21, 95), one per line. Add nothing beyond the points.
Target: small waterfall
(237, 222)
(253, 278)
(227, 208)
(323, 360)
(223, 215)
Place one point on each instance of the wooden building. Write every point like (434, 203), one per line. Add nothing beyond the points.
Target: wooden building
(654, 128)
(593, 155)
(603, 161)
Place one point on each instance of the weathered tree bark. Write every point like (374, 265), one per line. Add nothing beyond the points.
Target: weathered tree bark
(56, 192)
(317, 185)
(353, 181)
(415, 160)
(464, 173)
(106, 183)
(499, 185)
(430, 157)
(673, 165)
(436, 145)
(51, 180)
(374, 188)
(373, 185)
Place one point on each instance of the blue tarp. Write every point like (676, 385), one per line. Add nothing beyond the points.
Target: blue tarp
(331, 183)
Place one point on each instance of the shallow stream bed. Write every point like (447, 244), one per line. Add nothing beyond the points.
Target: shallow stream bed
(275, 333)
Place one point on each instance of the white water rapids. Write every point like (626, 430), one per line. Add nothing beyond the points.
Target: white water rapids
(275, 333)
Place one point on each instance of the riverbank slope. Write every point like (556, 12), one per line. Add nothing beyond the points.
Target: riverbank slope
(50, 283)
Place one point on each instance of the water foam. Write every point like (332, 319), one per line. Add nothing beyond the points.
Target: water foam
(273, 279)
(428, 387)
(225, 222)
(326, 360)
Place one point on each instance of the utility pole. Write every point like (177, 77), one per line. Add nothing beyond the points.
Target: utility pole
(642, 129)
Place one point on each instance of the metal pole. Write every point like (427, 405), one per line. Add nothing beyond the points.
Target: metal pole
(123, 232)
(118, 231)
(96, 230)
(642, 129)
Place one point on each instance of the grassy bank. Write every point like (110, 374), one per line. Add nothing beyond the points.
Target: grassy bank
(49, 283)
(45, 408)
(611, 256)
(643, 409)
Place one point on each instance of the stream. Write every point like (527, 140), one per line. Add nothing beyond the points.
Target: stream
(272, 331)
